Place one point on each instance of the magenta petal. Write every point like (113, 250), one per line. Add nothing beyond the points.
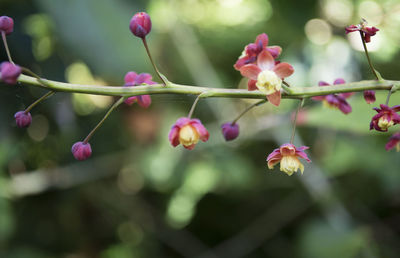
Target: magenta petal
(241, 62)
(181, 122)
(130, 78)
(274, 154)
(323, 83)
(283, 70)
(262, 40)
(344, 106)
(318, 98)
(351, 28)
(144, 101)
(251, 85)
(173, 136)
(303, 155)
(250, 71)
(275, 51)
(346, 95)
(339, 81)
(287, 149)
(129, 101)
(142, 78)
(203, 133)
(396, 108)
(265, 61)
(369, 96)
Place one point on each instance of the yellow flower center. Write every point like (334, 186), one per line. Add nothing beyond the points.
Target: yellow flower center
(188, 135)
(268, 82)
(290, 164)
(384, 124)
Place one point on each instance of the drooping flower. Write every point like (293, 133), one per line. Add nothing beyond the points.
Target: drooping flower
(187, 132)
(9, 72)
(394, 141)
(336, 100)
(81, 150)
(230, 131)
(252, 50)
(23, 119)
(385, 118)
(140, 24)
(6, 24)
(369, 96)
(267, 76)
(367, 32)
(134, 79)
(288, 155)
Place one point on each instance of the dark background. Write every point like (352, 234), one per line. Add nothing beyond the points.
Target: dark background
(139, 197)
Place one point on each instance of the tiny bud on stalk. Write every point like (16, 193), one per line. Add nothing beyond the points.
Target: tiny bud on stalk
(81, 150)
(140, 25)
(230, 131)
(9, 72)
(6, 24)
(23, 119)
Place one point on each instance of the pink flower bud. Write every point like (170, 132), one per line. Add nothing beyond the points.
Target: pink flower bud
(230, 131)
(23, 119)
(6, 24)
(81, 150)
(140, 25)
(369, 96)
(9, 72)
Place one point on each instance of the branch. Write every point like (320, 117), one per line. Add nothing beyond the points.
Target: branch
(173, 88)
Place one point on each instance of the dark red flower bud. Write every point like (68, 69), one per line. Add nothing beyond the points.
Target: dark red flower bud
(140, 24)
(6, 24)
(9, 72)
(23, 119)
(81, 150)
(230, 131)
(369, 96)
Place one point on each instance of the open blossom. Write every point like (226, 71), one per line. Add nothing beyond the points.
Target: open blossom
(267, 76)
(252, 50)
(288, 155)
(335, 100)
(187, 132)
(385, 118)
(134, 79)
(367, 32)
(394, 141)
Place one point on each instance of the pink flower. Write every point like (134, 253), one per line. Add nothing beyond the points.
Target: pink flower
(134, 79)
(9, 72)
(23, 119)
(252, 50)
(267, 76)
(288, 155)
(336, 100)
(6, 25)
(394, 141)
(369, 96)
(230, 131)
(140, 25)
(187, 132)
(367, 32)
(81, 150)
(385, 118)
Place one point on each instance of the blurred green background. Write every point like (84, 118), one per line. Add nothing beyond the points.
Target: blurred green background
(139, 197)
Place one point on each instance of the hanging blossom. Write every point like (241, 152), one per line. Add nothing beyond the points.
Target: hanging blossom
(385, 118)
(252, 50)
(187, 132)
(267, 76)
(134, 79)
(335, 100)
(394, 141)
(288, 155)
(366, 31)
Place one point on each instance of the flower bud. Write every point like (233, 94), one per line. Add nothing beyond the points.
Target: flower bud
(23, 119)
(230, 131)
(81, 150)
(369, 96)
(6, 24)
(9, 72)
(140, 25)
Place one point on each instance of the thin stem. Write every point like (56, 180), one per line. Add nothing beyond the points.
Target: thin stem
(194, 106)
(295, 120)
(366, 53)
(151, 60)
(388, 98)
(3, 35)
(114, 106)
(258, 103)
(45, 96)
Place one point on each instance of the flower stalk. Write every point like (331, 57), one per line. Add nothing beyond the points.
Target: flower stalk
(259, 103)
(295, 120)
(152, 62)
(3, 35)
(378, 77)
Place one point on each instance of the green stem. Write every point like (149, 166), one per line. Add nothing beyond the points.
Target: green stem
(3, 35)
(45, 96)
(366, 53)
(258, 103)
(114, 106)
(173, 88)
(295, 120)
(194, 106)
(151, 60)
